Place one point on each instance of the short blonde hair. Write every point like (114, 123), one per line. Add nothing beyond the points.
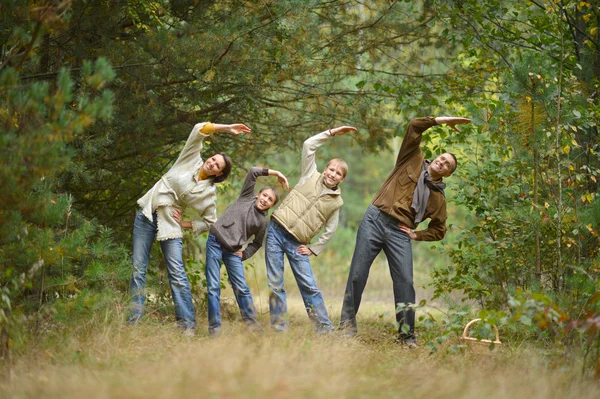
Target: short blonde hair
(342, 164)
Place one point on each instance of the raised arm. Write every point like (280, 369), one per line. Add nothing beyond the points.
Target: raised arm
(202, 130)
(412, 138)
(451, 121)
(250, 182)
(309, 149)
(235, 128)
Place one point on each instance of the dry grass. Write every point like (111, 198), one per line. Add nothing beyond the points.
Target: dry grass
(103, 358)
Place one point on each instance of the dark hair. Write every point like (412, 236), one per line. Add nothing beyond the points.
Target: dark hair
(455, 162)
(226, 170)
(274, 192)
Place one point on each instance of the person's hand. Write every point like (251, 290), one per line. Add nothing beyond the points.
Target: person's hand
(303, 250)
(238, 128)
(239, 254)
(341, 130)
(451, 121)
(282, 180)
(177, 215)
(408, 231)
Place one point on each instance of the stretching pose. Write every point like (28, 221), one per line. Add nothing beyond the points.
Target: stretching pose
(413, 192)
(189, 183)
(245, 218)
(312, 204)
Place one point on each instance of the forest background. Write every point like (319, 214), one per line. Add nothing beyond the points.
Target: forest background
(98, 97)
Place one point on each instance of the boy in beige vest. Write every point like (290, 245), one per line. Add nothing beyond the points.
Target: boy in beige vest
(314, 202)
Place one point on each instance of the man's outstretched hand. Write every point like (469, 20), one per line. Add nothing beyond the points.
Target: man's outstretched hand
(451, 121)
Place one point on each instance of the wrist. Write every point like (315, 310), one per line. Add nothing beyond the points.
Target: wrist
(331, 133)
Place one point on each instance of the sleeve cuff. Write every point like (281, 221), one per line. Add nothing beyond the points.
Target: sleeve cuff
(208, 128)
(419, 234)
(199, 227)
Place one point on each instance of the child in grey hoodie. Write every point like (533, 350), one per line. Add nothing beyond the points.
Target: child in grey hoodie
(245, 218)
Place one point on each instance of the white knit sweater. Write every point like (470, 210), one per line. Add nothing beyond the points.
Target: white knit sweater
(180, 188)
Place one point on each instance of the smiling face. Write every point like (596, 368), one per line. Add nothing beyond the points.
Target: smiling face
(333, 174)
(214, 165)
(442, 166)
(266, 199)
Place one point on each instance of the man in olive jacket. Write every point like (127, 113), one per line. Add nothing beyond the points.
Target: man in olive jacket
(413, 192)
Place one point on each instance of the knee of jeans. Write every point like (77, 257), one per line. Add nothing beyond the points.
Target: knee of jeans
(242, 290)
(311, 289)
(277, 289)
(275, 283)
(180, 281)
(139, 269)
(213, 284)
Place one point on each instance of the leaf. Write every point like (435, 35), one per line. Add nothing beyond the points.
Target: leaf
(577, 113)
(525, 320)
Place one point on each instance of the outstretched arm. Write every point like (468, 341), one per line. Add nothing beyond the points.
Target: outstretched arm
(451, 121)
(235, 128)
(309, 149)
(412, 138)
(201, 131)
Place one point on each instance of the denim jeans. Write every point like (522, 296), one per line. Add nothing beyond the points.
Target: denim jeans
(215, 253)
(144, 232)
(378, 231)
(280, 242)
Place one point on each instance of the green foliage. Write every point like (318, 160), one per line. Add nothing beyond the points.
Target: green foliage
(48, 249)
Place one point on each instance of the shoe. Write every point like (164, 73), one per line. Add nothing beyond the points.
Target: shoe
(347, 332)
(324, 329)
(214, 332)
(409, 342)
(188, 332)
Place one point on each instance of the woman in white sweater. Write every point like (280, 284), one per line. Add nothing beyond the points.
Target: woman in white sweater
(189, 183)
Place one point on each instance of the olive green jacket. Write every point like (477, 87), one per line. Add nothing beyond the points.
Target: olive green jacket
(396, 194)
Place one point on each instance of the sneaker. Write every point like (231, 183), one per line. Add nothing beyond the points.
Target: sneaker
(410, 342)
(349, 333)
(188, 332)
(214, 332)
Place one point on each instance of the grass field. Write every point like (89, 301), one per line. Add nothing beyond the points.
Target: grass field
(101, 357)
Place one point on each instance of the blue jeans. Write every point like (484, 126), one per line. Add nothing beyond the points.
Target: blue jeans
(280, 242)
(144, 232)
(379, 231)
(215, 253)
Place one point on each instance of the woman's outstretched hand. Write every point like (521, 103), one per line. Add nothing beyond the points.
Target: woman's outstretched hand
(341, 130)
(238, 128)
(235, 128)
